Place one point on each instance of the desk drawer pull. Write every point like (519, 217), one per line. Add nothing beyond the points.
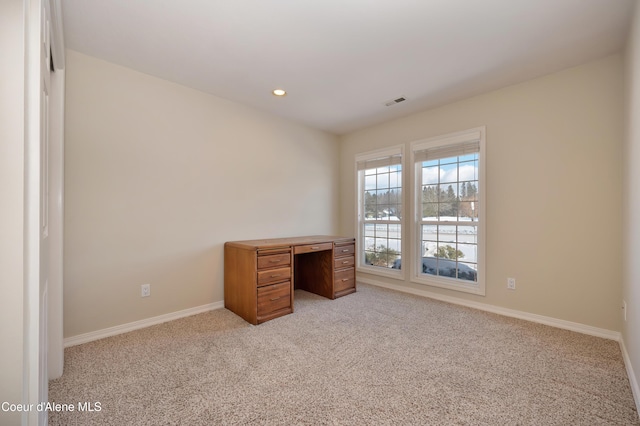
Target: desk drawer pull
(273, 299)
(345, 262)
(345, 250)
(315, 247)
(275, 276)
(346, 279)
(275, 261)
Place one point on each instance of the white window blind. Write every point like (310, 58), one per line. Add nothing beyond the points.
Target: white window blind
(447, 151)
(372, 163)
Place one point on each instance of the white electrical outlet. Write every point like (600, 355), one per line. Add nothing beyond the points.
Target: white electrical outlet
(624, 310)
(145, 290)
(511, 283)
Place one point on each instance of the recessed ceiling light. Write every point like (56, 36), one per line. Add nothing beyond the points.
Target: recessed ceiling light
(279, 92)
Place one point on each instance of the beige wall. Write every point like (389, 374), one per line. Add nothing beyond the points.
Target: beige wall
(158, 176)
(11, 212)
(631, 201)
(553, 189)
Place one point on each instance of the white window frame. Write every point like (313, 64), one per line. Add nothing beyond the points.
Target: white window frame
(361, 266)
(478, 287)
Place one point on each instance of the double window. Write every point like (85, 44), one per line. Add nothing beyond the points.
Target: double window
(447, 230)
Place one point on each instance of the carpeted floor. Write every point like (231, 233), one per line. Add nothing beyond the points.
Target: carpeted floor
(373, 357)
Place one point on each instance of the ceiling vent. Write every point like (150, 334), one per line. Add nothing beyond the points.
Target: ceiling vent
(395, 101)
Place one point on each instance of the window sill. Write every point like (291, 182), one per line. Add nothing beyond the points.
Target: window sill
(450, 284)
(383, 272)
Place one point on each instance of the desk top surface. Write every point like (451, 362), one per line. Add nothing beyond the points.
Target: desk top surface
(285, 242)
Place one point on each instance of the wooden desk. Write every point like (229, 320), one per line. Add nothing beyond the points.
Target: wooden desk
(260, 275)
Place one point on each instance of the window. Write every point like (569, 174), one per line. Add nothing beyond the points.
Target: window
(380, 211)
(449, 228)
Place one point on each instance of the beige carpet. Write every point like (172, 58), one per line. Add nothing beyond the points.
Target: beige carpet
(373, 357)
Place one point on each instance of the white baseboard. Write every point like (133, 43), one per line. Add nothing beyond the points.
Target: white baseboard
(553, 322)
(136, 325)
(635, 388)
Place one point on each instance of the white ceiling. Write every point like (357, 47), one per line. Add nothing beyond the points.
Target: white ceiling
(341, 60)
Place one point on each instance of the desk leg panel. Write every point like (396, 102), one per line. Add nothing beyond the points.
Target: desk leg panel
(240, 283)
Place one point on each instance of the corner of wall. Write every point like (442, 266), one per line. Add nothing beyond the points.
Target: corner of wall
(630, 340)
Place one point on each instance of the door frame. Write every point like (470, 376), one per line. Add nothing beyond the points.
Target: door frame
(38, 287)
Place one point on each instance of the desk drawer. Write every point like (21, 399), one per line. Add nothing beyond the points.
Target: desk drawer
(344, 262)
(273, 275)
(344, 279)
(274, 297)
(274, 260)
(347, 250)
(313, 247)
